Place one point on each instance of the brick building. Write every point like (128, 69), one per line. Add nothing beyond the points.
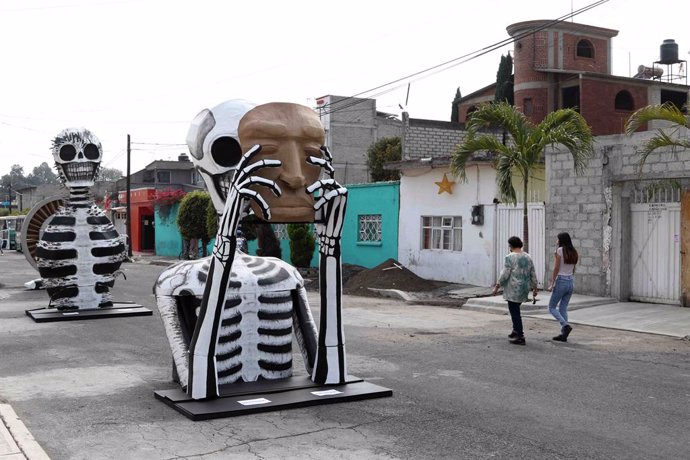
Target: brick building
(568, 65)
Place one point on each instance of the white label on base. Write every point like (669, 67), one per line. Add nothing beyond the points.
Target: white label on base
(326, 392)
(70, 313)
(253, 402)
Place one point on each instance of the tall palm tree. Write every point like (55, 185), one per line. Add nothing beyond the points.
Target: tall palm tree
(668, 112)
(525, 149)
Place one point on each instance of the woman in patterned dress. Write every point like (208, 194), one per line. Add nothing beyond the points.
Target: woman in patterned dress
(517, 278)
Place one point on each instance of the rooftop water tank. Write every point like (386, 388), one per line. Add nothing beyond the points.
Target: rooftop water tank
(669, 52)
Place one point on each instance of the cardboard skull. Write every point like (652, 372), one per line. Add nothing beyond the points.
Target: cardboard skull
(77, 153)
(215, 148)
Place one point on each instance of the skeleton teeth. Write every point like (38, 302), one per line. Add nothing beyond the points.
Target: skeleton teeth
(80, 171)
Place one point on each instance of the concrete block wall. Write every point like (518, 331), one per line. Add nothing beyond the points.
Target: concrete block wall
(352, 126)
(576, 204)
(431, 138)
(594, 207)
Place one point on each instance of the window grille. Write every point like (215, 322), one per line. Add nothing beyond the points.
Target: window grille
(369, 227)
(442, 232)
(280, 231)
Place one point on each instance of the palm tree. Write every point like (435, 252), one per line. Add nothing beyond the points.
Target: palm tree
(668, 112)
(525, 150)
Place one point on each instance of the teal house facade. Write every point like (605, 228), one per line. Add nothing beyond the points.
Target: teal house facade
(370, 235)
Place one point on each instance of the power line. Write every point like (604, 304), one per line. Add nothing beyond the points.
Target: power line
(158, 143)
(455, 62)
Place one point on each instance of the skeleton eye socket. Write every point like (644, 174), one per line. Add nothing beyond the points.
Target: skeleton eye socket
(67, 152)
(91, 152)
(226, 151)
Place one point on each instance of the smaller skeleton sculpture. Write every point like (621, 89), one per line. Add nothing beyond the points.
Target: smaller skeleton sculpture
(80, 249)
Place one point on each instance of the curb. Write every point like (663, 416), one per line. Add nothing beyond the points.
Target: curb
(453, 302)
(18, 438)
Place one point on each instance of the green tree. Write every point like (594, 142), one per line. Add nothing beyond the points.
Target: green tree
(302, 244)
(109, 174)
(526, 148)
(454, 113)
(191, 217)
(11, 182)
(42, 174)
(667, 112)
(380, 152)
(504, 81)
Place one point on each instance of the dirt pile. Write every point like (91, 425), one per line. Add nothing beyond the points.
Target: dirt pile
(387, 275)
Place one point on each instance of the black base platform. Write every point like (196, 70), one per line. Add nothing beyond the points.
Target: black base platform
(269, 395)
(119, 309)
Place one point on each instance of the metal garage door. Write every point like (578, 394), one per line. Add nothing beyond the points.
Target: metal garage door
(655, 246)
(509, 223)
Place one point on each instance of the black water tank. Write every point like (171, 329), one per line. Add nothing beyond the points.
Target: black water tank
(669, 52)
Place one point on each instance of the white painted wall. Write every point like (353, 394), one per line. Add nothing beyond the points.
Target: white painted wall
(419, 196)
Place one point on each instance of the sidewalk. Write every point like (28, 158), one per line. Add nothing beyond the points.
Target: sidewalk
(604, 312)
(586, 310)
(15, 440)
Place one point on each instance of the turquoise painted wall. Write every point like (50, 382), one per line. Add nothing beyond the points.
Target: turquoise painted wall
(168, 238)
(378, 198)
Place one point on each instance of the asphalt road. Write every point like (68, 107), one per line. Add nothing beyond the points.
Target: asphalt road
(85, 388)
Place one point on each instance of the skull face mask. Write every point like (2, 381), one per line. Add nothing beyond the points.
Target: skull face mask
(77, 153)
(215, 148)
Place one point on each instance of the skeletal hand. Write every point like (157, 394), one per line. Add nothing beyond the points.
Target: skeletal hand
(330, 207)
(239, 196)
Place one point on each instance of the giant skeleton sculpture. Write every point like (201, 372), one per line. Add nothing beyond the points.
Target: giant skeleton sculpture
(80, 250)
(230, 317)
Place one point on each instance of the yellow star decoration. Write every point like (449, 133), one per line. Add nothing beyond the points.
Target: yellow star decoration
(445, 185)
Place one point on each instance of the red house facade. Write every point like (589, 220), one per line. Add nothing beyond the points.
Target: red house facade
(143, 218)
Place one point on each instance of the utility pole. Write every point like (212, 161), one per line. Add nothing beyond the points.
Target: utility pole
(9, 206)
(129, 210)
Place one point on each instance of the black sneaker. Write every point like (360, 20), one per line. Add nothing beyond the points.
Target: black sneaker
(560, 338)
(512, 335)
(518, 341)
(567, 329)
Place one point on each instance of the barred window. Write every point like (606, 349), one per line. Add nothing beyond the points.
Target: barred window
(369, 227)
(442, 232)
(280, 231)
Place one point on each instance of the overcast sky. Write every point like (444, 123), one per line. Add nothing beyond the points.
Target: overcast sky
(147, 67)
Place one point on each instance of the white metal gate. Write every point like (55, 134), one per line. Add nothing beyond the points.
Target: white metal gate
(655, 246)
(509, 223)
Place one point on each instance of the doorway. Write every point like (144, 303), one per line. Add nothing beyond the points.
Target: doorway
(148, 233)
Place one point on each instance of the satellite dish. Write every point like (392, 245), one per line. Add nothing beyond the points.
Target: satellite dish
(35, 223)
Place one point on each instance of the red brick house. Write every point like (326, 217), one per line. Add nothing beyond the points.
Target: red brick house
(567, 64)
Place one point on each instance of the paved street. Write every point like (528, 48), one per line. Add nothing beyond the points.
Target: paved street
(84, 389)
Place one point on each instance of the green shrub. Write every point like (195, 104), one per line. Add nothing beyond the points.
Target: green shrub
(192, 217)
(302, 244)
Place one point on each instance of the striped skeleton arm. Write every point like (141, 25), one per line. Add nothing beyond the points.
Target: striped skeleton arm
(330, 366)
(203, 381)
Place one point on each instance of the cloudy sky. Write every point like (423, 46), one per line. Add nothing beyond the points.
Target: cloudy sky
(147, 67)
